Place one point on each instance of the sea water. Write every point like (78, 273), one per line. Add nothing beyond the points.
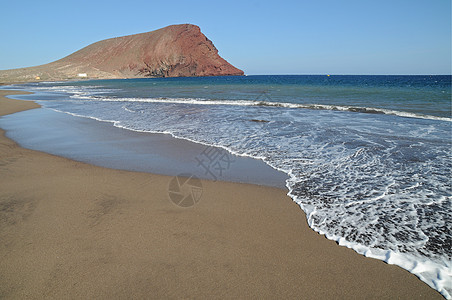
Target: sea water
(369, 157)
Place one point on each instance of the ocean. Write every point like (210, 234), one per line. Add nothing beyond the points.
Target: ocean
(368, 157)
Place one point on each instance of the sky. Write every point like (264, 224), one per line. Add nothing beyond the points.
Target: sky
(259, 37)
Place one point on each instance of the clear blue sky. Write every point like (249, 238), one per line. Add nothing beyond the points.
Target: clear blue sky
(260, 37)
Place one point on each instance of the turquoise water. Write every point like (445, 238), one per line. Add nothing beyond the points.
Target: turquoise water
(369, 157)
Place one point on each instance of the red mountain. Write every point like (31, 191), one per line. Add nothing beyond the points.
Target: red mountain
(173, 51)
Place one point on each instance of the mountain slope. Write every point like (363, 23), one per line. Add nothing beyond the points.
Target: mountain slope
(173, 51)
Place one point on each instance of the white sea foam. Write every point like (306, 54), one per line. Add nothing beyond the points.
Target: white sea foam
(438, 275)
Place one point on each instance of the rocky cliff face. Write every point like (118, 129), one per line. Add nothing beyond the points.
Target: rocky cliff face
(173, 51)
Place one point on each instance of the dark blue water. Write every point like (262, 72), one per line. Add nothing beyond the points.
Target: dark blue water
(369, 157)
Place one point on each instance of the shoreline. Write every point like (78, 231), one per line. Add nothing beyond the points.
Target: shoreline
(101, 143)
(73, 229)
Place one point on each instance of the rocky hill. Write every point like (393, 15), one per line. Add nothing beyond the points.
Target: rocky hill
(173, 51)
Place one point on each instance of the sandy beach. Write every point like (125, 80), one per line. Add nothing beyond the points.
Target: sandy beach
(73, 230)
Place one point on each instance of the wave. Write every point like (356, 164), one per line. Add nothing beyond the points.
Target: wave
(95, 92)
(200, 101)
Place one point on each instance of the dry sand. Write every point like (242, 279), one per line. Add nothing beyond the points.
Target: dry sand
(73, 230)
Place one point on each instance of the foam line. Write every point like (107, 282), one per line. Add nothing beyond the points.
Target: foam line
(198, 101)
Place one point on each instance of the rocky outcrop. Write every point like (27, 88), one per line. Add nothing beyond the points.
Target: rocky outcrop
(173, 51)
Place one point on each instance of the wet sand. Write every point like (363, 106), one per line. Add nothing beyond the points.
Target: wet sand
(74, 230)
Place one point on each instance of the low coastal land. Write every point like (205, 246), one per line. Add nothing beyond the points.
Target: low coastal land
(73, 230)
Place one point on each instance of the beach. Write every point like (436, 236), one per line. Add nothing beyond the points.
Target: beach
(74, 230)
